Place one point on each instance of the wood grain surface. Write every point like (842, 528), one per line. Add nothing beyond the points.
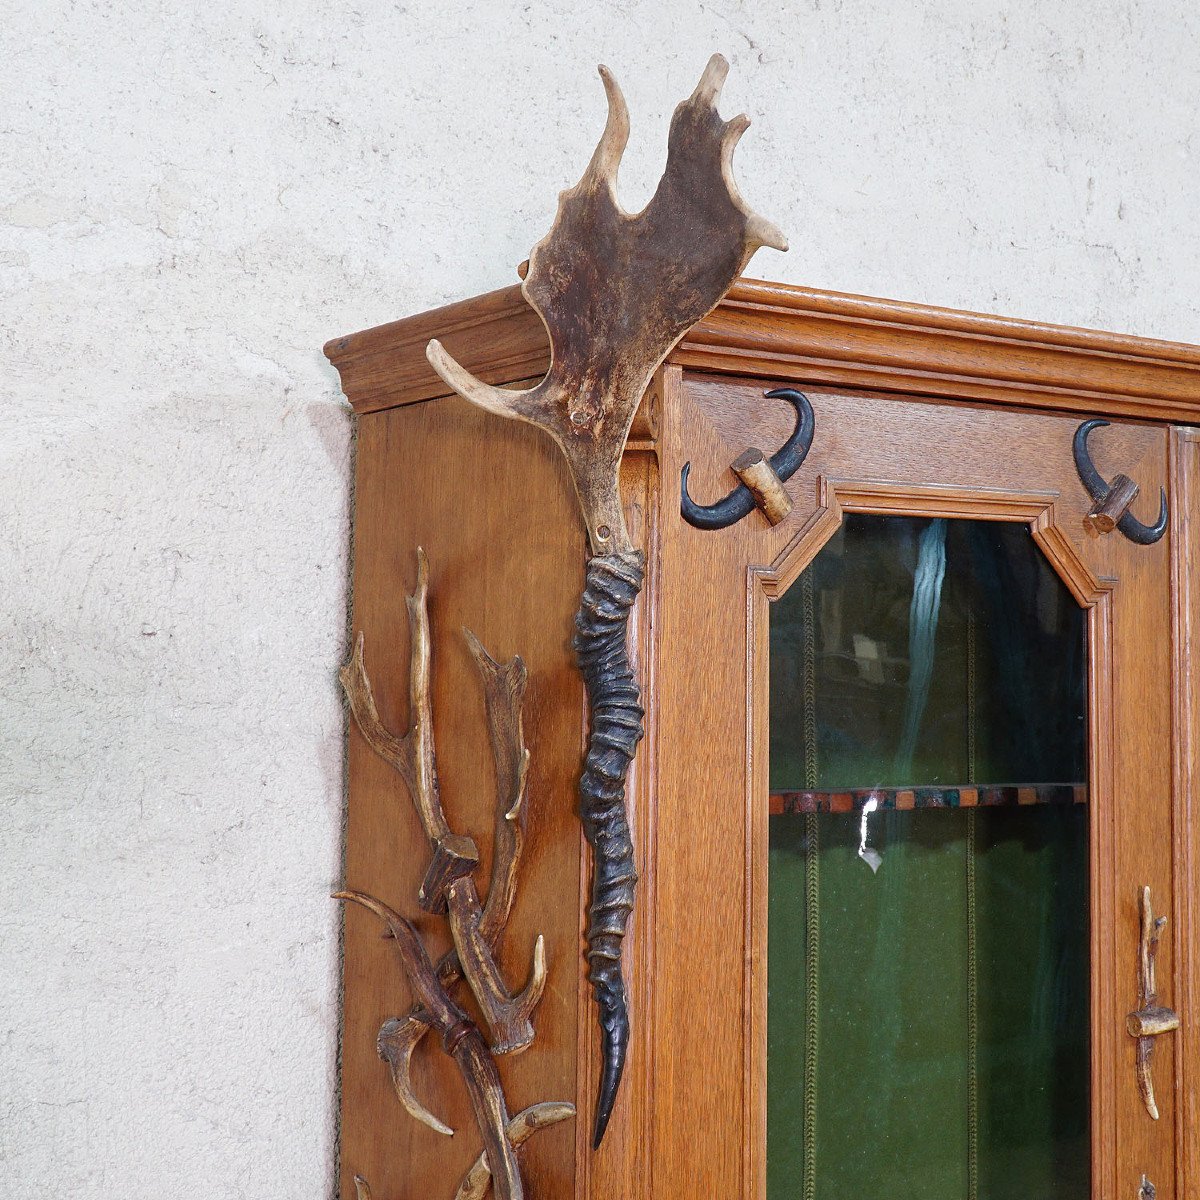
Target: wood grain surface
(805, 335)
(1185, 612)
(918, 410)
(870, 456)
(506, 560)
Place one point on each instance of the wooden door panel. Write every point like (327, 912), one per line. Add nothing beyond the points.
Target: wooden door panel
(873, 453)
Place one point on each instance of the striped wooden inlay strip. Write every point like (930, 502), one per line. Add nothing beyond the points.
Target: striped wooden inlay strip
(903, 799)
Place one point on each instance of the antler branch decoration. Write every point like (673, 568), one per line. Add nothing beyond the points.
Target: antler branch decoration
(616, 292)
(449, 889)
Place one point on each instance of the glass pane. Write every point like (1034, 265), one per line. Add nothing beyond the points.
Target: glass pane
(928, 928)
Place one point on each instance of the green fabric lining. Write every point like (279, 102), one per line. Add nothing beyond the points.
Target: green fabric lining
(892, 1081)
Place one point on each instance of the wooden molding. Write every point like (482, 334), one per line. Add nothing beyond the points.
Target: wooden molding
(767, 583)
(1185, 620)
(838, 496)
(497, 337)
(805, 335)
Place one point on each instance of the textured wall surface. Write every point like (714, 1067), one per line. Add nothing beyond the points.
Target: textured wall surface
(192, 199)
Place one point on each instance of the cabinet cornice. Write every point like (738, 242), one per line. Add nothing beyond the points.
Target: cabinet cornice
(788, 333)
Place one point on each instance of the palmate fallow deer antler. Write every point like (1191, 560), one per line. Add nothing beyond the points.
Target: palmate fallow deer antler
(616, 292)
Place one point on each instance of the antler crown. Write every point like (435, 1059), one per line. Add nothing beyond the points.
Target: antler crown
(616, 291)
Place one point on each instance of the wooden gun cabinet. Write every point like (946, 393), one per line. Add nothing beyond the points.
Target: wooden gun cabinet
(913, 754)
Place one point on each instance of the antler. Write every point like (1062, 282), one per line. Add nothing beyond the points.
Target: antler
(503, 694)
(463, 1042)
(448, 884)
(520, 1129)
(503, 697)
(450, 889)
(397, 1041)
(616, 292)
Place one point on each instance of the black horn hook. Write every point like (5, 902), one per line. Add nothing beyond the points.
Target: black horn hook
(1098, 489)
(740, 502)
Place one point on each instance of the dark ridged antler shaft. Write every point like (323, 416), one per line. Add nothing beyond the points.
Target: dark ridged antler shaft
(613, 582)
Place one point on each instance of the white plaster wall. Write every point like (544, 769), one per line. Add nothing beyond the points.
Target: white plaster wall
(193, 197)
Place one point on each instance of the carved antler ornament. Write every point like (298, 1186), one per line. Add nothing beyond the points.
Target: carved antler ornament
(1151, 1020)
(616, 292)
(449, 888)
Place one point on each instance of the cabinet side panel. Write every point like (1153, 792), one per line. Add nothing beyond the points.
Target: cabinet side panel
(491, 504)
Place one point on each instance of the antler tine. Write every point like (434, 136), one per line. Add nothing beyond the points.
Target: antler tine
(420, 734)
(520, 1129)
(396, 1042)
(759, 231)
(712, 80)
(606, 158)
(357, 685)
(508, 1017)
(493, 399)
(732, 134)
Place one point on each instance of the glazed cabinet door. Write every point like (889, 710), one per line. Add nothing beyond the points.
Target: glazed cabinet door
(915, 853)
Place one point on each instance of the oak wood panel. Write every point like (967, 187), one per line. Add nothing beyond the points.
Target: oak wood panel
(506, 554)
(711, 884)
(496, 336)
(1185, 558)
(809, 336)
(506, 559)
(806, 335)
(699, 1125)
(1141, 812)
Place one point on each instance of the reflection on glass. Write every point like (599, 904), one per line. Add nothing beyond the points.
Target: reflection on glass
(928, 945)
